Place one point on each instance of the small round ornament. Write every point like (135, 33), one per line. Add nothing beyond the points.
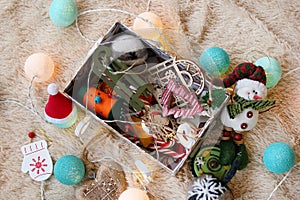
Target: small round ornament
(272, 69)
(150, 28)
(279, 157)
(63, 12)
(208, 187)
(133, 194)
(215, 61)
(69, 170)
(31, 134)
(39, 65)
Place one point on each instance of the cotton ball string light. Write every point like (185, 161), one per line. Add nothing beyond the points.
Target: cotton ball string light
(63, 12)
(150, 28)
(133, 194)
(40, 66)
(215, 61)
(272, 69)
(279, 157)
(69, 170)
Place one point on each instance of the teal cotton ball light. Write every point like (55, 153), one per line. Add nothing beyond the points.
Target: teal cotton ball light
(63, 12)
(69, 170)
(215, 61)
(279, 157)
(272, 69)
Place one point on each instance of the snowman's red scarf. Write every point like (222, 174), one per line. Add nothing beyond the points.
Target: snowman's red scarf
(240, 104)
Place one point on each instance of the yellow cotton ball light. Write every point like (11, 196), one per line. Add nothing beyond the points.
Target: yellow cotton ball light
(133, 194)
(39, 65)
(148, 28)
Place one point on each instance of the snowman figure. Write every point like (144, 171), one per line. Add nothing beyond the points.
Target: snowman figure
(241, 114)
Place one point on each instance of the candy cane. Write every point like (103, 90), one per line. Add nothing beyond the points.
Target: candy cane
(164, 148)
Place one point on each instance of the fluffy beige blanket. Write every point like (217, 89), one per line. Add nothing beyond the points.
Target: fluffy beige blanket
(247, 30)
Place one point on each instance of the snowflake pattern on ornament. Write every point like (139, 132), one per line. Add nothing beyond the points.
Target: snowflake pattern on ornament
(207, 187)
(38, 165)
(37, 160)
(199, 161)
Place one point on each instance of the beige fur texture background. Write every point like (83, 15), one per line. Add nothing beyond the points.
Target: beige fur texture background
(247, 30)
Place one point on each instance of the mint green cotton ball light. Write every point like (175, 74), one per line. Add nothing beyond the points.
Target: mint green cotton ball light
(63, 12)
(69, 170)
(215, 61)
(272, 69)
(279, 157)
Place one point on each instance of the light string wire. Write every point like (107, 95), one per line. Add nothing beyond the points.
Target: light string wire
(148, 5)
(290, 72)
(126, 13)
(124, 166)
(42, 189)
(33, 108)
(34, 111)
(282, 180)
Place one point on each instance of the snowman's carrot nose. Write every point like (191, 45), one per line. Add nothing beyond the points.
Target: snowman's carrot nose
(257, 97)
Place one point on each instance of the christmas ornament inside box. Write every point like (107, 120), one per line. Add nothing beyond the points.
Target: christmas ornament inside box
(146, 96)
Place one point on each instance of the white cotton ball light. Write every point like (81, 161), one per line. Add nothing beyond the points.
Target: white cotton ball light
(150, 27)
(133, 194)
(39, 65)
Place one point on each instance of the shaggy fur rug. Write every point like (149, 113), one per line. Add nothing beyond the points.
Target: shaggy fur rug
(247, 30)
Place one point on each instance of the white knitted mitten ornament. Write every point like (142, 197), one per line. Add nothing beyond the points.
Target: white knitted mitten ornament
(37, 160)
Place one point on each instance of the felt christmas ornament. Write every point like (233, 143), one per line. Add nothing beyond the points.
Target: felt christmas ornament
(241, 104)
(119, 81)
(245, 74)
(218, 97)
(210, 188)
(208, 161)
(242, 156)
(186, 134)
(59, 110)
(250, 89)
(228, 152)
(37, 160)
(104, 105)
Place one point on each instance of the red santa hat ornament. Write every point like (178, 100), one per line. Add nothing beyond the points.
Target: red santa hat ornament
(59, 109)
(246, 74)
